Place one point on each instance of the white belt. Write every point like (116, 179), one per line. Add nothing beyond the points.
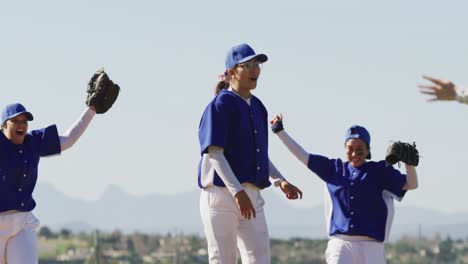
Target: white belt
(354, 238)
(10, 212)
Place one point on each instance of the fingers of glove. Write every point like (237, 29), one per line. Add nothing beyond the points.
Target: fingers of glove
(93, 78)
(415, 158)
(91, 99)
(95, 83)
(109, 98)
(392, 159)
(395, 153)
(102, 80)
(410, 154)
(111, 94)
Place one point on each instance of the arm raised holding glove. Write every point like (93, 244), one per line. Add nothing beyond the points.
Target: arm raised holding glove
(408, 154)
(101, 95)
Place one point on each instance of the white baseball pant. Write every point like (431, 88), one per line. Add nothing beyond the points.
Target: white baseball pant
(226, 229)
(18, 242)
(348, 251)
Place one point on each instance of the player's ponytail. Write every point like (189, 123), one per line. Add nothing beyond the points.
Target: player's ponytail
(223, 83)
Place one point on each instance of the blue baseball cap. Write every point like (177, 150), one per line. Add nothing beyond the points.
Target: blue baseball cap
(361, 133)
(242, 53)
(13, 110)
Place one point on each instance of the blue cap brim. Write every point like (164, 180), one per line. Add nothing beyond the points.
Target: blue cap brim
(29, 116)
(259, 57)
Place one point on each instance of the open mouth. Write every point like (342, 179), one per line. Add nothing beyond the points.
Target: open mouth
(254, 79)
(20, 133)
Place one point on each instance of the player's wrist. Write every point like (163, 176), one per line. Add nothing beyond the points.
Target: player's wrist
(461, 95)
(278, 182)
(277, 127)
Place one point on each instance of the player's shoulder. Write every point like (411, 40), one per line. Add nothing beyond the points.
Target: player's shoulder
(257, 100)
(225, 97)
(258, 103)
(39, 133)
(223, 101)
(380, 165)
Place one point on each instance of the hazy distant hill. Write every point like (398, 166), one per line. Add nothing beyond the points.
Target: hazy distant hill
(167, 213)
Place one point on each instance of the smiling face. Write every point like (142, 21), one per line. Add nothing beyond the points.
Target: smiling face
(356, 151)
(15, 129)
(244, 76)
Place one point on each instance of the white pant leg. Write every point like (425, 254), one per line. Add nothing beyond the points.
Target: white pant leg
(18, 242)
(22, 247)
(339, 252)
(253, 239)
(220, 217)
(374, 252)
(7, 230)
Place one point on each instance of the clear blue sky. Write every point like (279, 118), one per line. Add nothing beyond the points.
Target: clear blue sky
(332, 64)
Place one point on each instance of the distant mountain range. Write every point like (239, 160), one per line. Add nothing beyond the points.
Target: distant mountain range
(179, 213)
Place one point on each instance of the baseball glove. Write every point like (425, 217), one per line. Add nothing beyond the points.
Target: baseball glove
(102, 92)
(405, 152)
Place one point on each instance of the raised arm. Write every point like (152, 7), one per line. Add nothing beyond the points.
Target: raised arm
(102, 94)
(291, 144)
(72, 135)
(411, 178)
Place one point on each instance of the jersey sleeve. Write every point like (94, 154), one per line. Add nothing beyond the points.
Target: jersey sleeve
(324, 167)
(47, 140)
(392, 180)
(213, 129)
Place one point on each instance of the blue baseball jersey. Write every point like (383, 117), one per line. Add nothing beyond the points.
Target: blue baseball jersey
(19, 167)
(361, 198)
(241, 129)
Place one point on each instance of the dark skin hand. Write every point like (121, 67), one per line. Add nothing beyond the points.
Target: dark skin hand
(245, 205)
(291, 191)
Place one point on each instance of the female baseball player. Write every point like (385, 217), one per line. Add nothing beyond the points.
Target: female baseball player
(20, 152)
(443, 90)
(361, 193)
(234, 166)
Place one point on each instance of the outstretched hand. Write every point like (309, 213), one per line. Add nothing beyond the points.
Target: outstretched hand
(439, 90)
(291, 191)
(276, 119)
(245, 205)
(277, 123)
